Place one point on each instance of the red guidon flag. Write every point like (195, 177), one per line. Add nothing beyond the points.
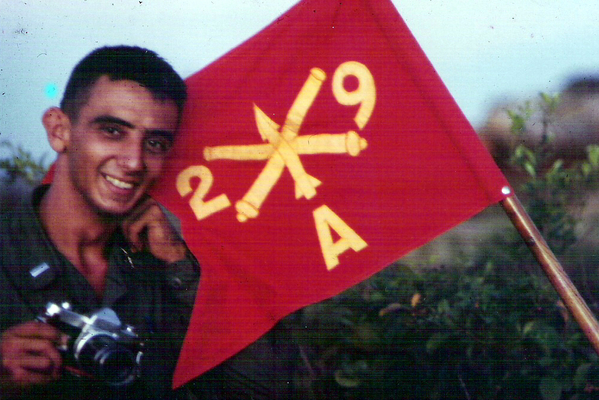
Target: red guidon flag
(310, 157)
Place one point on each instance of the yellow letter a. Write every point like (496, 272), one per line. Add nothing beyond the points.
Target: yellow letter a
(326, 220)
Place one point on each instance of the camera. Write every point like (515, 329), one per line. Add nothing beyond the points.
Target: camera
(99, 345)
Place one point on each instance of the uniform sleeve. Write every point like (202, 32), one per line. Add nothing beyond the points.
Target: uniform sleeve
(183, 278)
(262, 371)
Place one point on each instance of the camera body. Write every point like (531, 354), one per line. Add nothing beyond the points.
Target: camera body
(99, 345)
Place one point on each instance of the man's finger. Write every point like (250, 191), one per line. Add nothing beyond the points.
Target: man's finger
(34, 329)
(137, 229)
(29, 354)
(136, 224)
(140, 209)
(26, 376)
(148, 228)
(40, 362)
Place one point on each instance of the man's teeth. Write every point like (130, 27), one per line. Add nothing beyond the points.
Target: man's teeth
(119, 184)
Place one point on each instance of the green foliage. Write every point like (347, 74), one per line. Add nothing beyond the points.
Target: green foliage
(485, 332)
(554, 189)
(492, 328)
(21, 164)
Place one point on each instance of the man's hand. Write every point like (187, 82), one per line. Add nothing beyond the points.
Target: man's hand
(147, 228)
(29, 356)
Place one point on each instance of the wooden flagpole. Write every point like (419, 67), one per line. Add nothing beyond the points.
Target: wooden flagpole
(553, 269)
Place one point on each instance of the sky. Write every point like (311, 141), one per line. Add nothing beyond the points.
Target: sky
(487, 52)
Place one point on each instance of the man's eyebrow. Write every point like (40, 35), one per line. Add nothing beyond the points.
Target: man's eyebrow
(109, 119)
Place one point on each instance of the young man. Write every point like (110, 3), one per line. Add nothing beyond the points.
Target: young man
(93, 238)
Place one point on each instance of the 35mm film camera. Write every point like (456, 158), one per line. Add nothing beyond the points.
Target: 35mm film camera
(100, 346)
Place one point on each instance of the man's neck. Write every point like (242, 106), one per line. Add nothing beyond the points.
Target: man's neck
(79, 233)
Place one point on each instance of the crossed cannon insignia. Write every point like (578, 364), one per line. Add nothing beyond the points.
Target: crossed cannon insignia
(284, 145)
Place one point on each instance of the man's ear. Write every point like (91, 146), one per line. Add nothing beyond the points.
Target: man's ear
(58, 128)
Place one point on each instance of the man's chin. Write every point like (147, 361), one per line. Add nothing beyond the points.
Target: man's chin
(116, 211)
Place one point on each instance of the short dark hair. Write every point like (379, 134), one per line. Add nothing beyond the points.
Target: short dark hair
(123, 63)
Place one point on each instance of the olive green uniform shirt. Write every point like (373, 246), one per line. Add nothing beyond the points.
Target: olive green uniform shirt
(153, 297)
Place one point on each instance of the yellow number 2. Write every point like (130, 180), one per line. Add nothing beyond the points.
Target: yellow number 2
(200, 208)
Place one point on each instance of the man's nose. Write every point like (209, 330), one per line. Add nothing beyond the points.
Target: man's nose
(132, 156)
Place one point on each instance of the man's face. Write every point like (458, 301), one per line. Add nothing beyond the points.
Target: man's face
(118, 144)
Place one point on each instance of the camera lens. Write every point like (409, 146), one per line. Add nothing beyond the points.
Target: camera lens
(104, 358)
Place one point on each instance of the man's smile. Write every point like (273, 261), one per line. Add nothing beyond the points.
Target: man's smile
(119, 183)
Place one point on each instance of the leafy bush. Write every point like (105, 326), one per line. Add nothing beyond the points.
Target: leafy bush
(489, 328)
(20, 164)
(488, 332)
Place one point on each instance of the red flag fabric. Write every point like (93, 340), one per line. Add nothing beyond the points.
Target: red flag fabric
(310, 157)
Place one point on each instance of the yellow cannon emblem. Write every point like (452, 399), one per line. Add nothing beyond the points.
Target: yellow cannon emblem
(282, 149)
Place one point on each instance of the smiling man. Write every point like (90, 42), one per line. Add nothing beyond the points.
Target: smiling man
(94, 239)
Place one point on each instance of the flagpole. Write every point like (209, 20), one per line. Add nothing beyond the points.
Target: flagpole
(553, 269)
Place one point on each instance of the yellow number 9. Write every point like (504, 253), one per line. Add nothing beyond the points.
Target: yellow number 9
(364, 95)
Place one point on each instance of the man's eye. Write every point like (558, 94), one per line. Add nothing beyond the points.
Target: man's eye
(158, 146)
(111, 130)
